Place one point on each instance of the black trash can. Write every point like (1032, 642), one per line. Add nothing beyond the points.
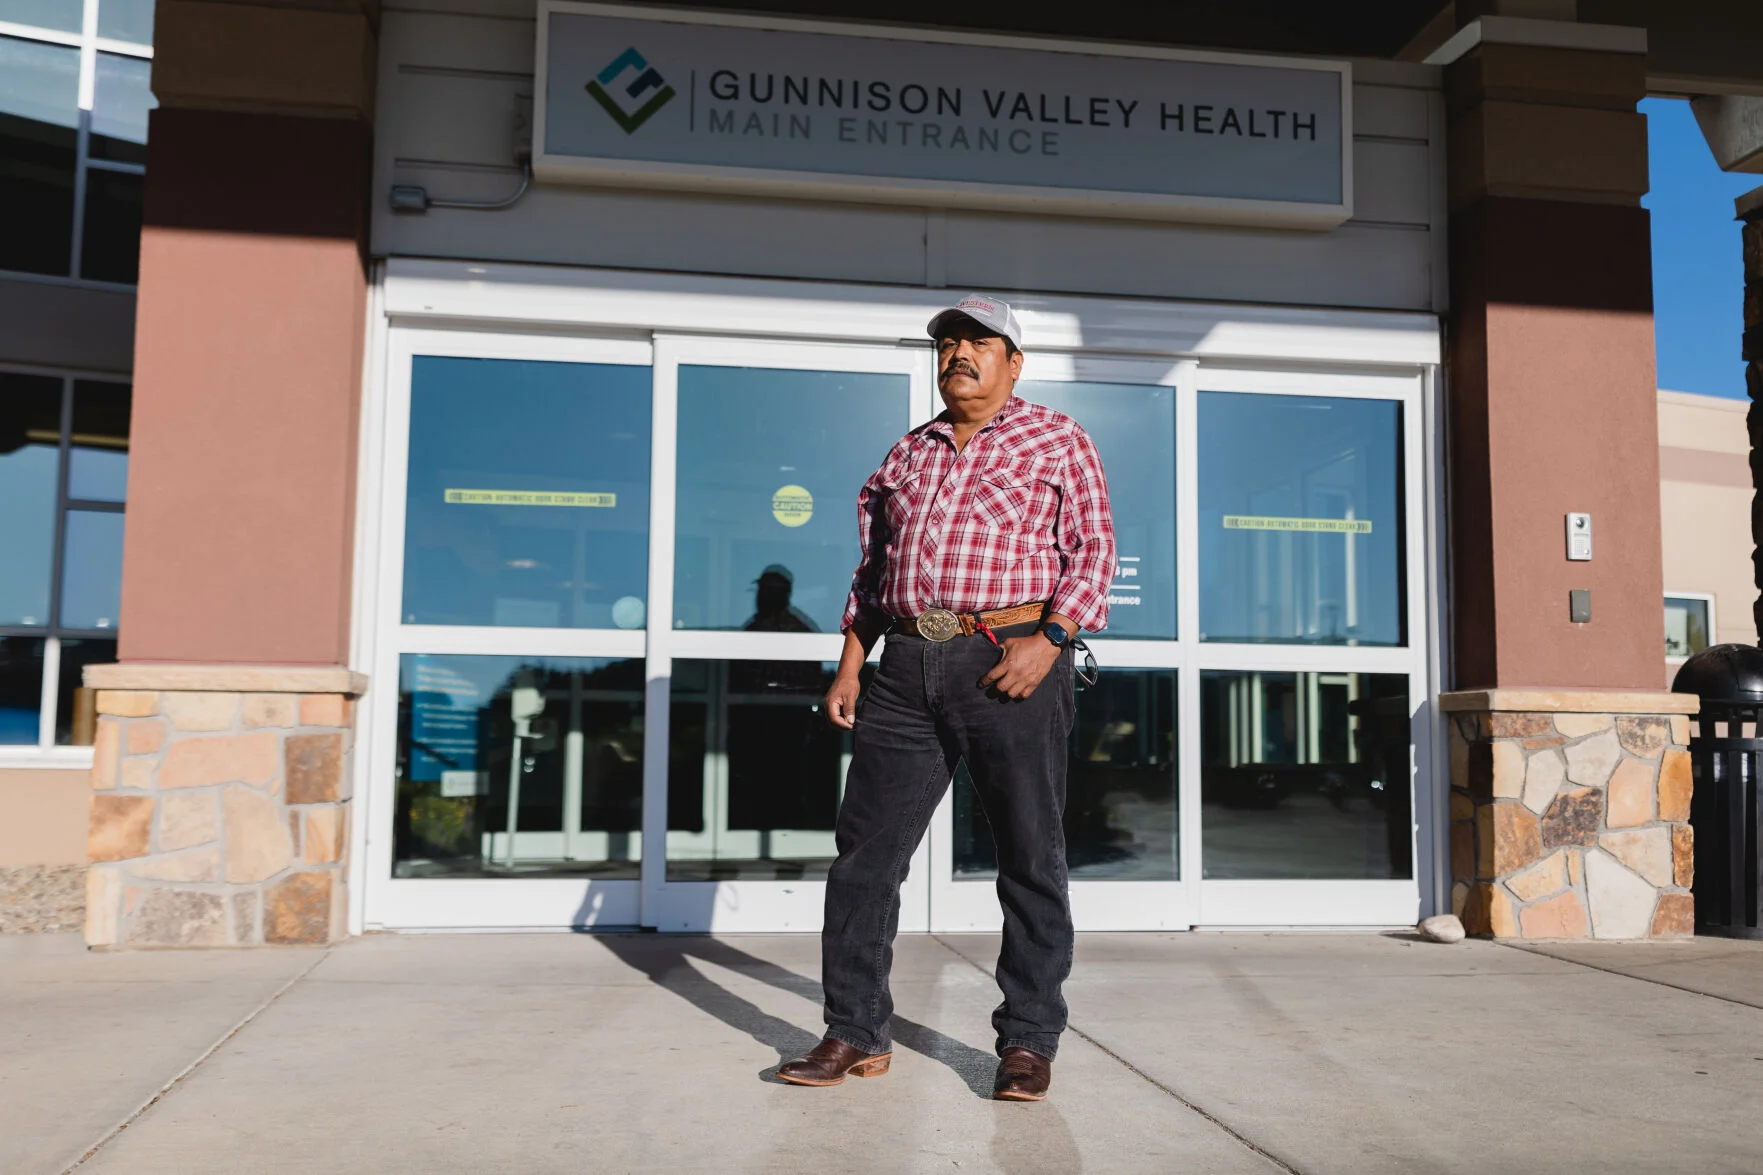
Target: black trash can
(1724, 810)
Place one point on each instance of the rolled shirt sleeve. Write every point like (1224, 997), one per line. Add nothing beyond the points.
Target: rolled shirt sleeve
(1086, 538)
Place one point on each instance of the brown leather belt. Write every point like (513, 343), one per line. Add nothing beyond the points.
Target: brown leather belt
(940, 624)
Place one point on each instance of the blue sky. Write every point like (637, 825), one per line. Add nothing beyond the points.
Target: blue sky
(1698, 274)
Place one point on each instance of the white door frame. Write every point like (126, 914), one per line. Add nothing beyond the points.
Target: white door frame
(591, 315)
(1251, 903)
(464, 903)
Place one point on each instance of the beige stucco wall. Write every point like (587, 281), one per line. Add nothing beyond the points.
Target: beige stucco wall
(43, 816)
(1705, 506)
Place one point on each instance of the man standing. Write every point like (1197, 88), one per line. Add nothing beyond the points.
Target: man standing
(987, 545)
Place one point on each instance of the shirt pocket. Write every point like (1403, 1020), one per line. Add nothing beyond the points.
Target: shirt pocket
(1005, 494)
(901, 485)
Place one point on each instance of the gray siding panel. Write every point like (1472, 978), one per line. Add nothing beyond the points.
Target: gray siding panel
(450, 117)
(665, 230)
(445, 40)
(1354, 266)
(1389, 112)
(1392, 182)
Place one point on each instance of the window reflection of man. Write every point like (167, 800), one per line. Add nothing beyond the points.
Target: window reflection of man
(772, 610)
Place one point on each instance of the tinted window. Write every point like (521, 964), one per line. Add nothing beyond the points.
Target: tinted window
(528, 498)
(770, 463)
(755, 773)
(91, 573)
(39, 122)
(1133, 428)
(1121, 801)
(518, 767)
(126, 20)
(1300, 519)
(30, 461)
(1305, 775)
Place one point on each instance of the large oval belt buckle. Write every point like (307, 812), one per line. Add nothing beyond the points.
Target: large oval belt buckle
(938, 624)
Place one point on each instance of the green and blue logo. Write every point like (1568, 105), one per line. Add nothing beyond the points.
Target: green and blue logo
(647, 79)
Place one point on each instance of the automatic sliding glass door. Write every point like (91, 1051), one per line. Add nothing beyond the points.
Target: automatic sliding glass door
(1124, 805)
(1306, 672)
(1247, 757)
(608, 593)
(761, 448)
(507, 761)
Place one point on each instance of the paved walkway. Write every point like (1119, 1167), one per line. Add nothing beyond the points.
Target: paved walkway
(1189, 1053)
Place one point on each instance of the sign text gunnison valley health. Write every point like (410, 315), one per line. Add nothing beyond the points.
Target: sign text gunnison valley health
(890, 113)
(687, 100)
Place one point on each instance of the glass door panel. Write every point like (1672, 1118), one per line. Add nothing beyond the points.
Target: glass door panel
(1305, 775)
(1133, 427)
(518, 767)
(755, 772)
(771, 443)
(507, 747)
(1301, 524)
(1123, 819)
(528, 493)
(770, 461)
(1306, 678)
(1121, 805)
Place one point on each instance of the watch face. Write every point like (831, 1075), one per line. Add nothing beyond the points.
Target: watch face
(1056, 634)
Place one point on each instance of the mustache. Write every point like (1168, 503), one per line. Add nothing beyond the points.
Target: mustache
(960, 367)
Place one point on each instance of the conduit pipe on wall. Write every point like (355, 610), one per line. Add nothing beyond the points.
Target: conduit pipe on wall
(412, 198)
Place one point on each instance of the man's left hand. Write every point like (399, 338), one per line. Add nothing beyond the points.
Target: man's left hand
(1025, 662)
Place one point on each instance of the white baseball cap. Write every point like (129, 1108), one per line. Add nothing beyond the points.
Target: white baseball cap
(992, 313)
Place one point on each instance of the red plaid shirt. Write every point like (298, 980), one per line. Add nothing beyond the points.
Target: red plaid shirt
(1020, 516)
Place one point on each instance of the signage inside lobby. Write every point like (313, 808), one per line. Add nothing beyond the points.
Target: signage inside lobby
(658, 98)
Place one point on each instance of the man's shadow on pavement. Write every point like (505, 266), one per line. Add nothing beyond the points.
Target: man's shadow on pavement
(666, 960)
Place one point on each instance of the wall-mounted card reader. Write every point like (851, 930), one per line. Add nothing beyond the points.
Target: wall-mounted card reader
(1579, 538)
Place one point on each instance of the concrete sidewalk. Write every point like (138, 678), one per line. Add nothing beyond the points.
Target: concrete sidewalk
(1202, 1053)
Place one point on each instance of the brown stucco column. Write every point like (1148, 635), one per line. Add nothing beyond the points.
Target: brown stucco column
(249, 336)
(221, 775)
(1570, 786)
(1552, 393)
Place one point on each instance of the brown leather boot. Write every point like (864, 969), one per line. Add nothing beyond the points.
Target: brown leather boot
(830, 1061)
(1023, 1076)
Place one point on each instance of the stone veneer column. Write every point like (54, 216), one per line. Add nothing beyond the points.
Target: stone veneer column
(220, 805)
(1570, 813)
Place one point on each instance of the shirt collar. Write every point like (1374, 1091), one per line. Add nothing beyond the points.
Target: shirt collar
(942, 426)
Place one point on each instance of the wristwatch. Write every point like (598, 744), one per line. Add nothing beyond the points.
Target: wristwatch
(1055, 633)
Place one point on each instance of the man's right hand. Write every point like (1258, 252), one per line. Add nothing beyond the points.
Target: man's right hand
(841, 701)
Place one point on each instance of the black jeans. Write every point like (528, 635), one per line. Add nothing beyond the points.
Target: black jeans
(923, 713)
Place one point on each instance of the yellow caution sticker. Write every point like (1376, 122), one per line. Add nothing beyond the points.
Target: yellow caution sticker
(1300, 525)
(527, 498)
(792, 505)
